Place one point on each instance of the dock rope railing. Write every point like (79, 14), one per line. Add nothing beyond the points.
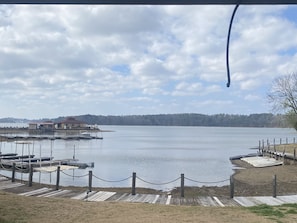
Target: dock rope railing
(158, 184)
(112, 181)
(3, 167)
(73, 176)
(275, 185)
(207, 182)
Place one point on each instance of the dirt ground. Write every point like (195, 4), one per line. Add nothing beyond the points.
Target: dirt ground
(251, 181)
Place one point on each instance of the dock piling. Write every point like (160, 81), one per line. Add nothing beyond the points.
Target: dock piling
(231, 187)
(30, 175)
(90, 180)
(133, 183)
(13, 172)
(182, 185)
(274, 185)
(58, 177)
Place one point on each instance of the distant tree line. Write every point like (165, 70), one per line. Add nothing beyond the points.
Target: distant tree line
(189, 119)
(186, 119)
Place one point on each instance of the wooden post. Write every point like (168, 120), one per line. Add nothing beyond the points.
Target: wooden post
(30, 175)
(259, 145)
(133, 183)
(294, 140)
(182, 185)
(231, 187)
(274, 143)
(274, 185)
(13, 173)
(58, 178)
(90, 180)
(280, 141)
(286, 140)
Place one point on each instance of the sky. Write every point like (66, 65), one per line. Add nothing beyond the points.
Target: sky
(64, 60)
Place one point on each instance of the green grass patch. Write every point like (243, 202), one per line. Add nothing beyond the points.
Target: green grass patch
(266, 210)
(274, 212)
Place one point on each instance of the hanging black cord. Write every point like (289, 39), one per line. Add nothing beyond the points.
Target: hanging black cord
(228, 40)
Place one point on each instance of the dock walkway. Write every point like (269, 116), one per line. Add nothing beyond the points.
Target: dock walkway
(163, 199)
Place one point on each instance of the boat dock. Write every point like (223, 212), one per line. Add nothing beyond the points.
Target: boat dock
(48, 137)
(23, 163)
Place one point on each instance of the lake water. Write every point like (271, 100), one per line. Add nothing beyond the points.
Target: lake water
(157, 154)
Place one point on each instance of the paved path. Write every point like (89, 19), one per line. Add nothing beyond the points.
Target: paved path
(100, 196)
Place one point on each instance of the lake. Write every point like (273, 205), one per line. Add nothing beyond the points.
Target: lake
(158, 155)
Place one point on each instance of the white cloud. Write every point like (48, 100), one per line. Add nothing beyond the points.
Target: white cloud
(251, 97)
(63, 59)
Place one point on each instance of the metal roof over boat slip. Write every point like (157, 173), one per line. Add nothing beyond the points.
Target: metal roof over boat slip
(154, 2)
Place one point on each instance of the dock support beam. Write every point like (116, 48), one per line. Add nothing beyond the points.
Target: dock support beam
(134, 183)
(58, 177)
(182, 185)
(90, 180)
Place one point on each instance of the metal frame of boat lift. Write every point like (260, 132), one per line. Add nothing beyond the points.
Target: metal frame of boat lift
(153, 2)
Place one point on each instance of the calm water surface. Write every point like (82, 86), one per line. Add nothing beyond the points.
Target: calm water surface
(157, 154)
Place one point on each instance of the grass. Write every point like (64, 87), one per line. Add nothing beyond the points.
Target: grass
(288, 148)
(276, 213)
(266, 210)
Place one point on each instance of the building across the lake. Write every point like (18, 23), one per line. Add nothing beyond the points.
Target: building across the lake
(69, 123)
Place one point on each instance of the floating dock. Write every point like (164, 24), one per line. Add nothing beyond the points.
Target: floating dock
(24, 162)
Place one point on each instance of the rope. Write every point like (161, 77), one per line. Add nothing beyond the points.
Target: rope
(3, 167)
(158, 183)
(227, 50)
(112, 181)
(75, 176)
(209, 182)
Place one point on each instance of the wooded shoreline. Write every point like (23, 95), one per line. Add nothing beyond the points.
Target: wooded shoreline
(184, 119)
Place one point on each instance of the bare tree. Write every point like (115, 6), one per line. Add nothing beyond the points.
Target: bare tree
(283, 96)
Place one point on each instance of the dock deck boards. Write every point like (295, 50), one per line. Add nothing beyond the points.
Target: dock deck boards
(101, 196)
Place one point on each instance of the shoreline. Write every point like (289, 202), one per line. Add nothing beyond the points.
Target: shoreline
(248, 181)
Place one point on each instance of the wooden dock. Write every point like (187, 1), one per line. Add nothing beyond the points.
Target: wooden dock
(162, 199)
(11, 161)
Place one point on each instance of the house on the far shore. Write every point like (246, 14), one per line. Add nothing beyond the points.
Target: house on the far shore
(43, 127)
(70, 123)
(49, 127)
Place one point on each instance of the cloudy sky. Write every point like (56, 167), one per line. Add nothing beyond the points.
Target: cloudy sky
(126, 60)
